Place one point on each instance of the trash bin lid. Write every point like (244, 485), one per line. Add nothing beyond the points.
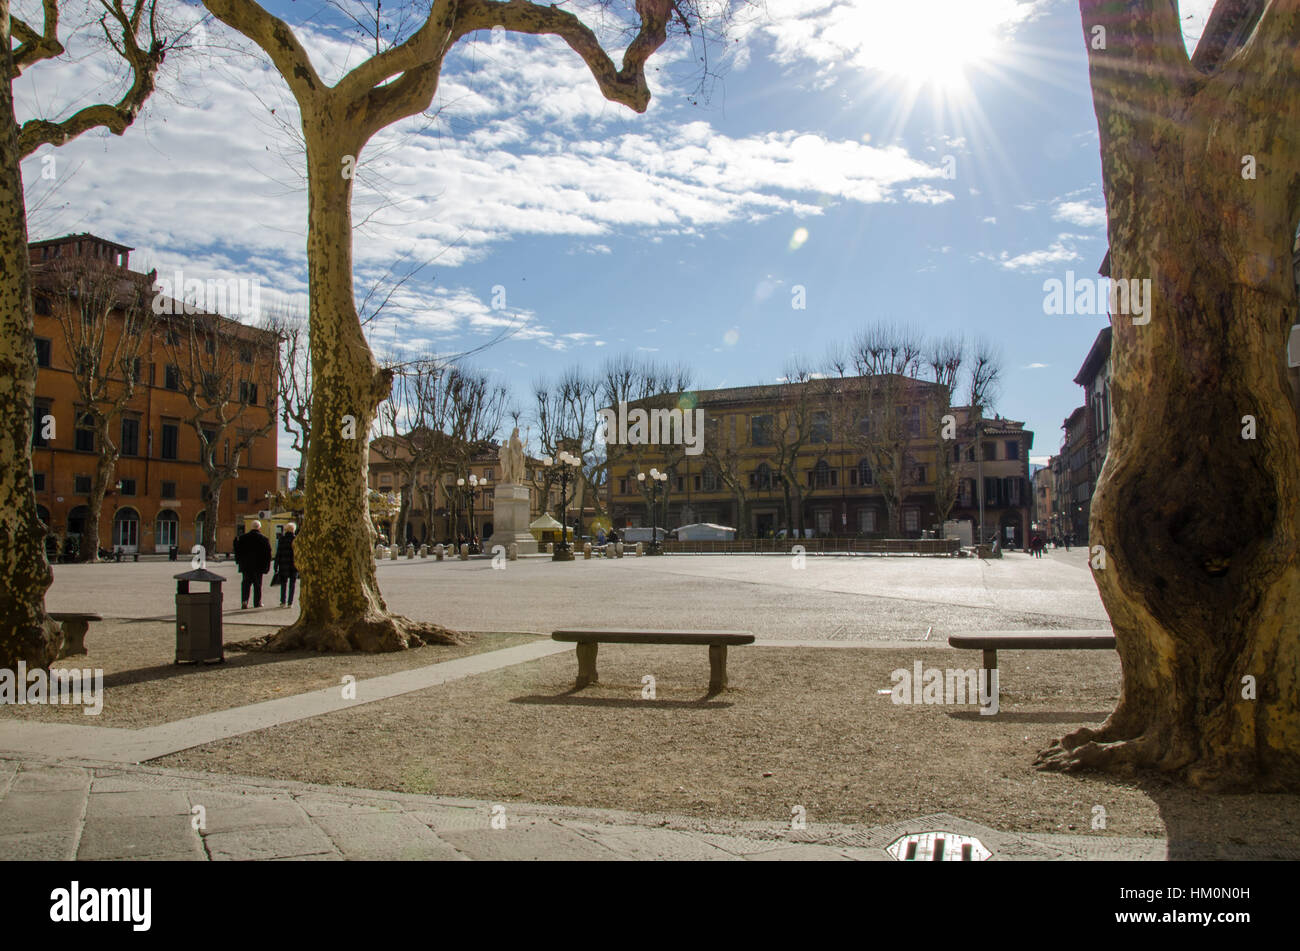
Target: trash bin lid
(200, 574)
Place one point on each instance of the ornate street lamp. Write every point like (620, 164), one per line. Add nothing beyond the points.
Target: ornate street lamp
(655, 478)
(562, 462)
(475, 485)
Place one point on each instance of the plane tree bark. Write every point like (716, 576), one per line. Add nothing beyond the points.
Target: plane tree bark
(342, 608)
(26, 633)
(1198, 521)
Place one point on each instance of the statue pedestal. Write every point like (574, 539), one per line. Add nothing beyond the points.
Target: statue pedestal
(510, 518)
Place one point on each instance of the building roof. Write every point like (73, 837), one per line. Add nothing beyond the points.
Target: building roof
(1097, 356)
(83, 236)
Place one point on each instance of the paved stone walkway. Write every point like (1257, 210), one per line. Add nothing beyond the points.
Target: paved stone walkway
(66, 809)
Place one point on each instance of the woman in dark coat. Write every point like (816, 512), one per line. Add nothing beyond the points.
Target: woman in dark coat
(285, 566)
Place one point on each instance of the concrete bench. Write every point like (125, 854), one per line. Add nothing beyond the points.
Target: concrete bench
(589, 640)
(74, 627)
(990, 642)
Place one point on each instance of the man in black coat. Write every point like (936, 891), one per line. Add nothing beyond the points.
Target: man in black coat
(253, 559)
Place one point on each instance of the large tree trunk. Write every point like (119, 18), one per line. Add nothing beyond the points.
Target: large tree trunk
(25, 632)
(1200, 525)
(342, 608)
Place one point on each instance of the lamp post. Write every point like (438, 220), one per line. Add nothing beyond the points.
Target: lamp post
(563, 461)
(475, 485)
(655, 478)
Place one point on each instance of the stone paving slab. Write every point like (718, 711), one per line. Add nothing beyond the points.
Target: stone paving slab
(129, 837)
(142, 812)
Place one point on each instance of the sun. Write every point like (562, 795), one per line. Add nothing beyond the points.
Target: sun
(934, 43)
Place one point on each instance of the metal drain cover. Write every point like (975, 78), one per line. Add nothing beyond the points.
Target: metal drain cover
(939, 847)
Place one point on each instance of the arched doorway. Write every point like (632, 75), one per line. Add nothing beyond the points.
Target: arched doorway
(167, 531)
(126, 530)
(77, 520)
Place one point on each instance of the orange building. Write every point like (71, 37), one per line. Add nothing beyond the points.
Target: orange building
(155, 498)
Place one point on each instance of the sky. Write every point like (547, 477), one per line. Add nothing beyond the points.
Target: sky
(930, 163)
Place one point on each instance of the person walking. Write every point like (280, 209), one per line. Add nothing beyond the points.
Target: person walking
(284, 565)
(253, 559)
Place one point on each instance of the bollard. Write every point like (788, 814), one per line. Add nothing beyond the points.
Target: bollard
(618, 549)
(424, 551)
(512, 552)
(464, 552)
(586, 551)
(640, 549)
(410, 551)
(392, 553)
(550, 548)
(438, 552)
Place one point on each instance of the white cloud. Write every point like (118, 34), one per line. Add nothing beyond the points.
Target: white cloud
(1081, 213)
(1058, 252)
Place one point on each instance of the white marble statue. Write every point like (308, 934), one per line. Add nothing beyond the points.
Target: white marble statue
(512, 460)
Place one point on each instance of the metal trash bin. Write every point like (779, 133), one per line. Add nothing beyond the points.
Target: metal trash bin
(171, 553)
(198, 618)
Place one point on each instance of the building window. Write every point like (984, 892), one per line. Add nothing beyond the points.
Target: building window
(710, 480)
(40, 302)
(81, 485)
(866, 520)
(248, 392)
(245, 354)
(172, 377)
(38, 480)
(84, 436)
(760, 430)
(1013, 449)
(40, 411)
(137, 370)
(42, 350)
(822, 475)
(130, 436)
(165, 530)
(990, 451)
(208, 445)
(205, 492)
(864, 473)
(911, 520)
(762, 477)
(171, 437)
(127, 486)
(821, 427)
(168, 490)
(241, 493)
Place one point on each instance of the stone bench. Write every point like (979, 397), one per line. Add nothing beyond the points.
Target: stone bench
(990, 642)
(588, 641)
(74, 627)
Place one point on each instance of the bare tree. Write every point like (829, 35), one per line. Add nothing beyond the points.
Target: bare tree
(944, 357)
(221, 368)
(106, 322)
(1197, 520)
(293, 382)
(342, 608)
(883, 411)
(136, 38)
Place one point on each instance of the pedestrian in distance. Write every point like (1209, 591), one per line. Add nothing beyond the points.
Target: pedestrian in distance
(284, 564)
(253, 559)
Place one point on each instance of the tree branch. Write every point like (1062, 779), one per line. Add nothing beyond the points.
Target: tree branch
(278, 41)
(627, 85)
(116, 118)
(32, 46)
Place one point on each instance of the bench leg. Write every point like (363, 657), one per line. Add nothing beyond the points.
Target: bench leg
(717, 667)
(587, 664)
(991, 666)
(74, 638)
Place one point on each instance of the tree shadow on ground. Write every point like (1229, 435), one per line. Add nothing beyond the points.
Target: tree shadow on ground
(1025, 716)
(571, 698)
(1204, 825)
(140, 675)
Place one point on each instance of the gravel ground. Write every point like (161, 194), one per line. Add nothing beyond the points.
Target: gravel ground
(143, 687)
(799, 727)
